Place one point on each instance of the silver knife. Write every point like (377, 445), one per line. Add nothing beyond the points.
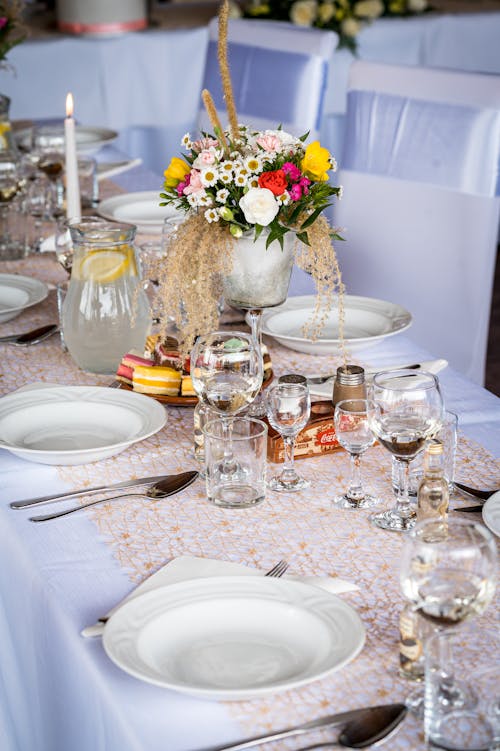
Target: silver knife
(323, 722)
(28, 502)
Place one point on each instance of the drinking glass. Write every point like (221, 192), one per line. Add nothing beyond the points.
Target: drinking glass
(354, 435)
(48, 152)
(406, 408)
(448, 574)
(226, 371)
(288, 408)
(9, 186)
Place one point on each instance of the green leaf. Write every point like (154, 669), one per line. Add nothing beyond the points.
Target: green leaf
(258, 231)
(304, 137)
(302, 236)
(311, 219)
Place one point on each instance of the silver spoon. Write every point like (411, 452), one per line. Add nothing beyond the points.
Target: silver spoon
(30, 337)
(168, 486)
(374, 725)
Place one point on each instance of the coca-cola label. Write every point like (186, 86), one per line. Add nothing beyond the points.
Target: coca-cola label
(326, 438)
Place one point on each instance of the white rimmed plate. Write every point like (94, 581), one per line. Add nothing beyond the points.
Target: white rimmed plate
(233, 638)
(142, 209)
(491, 513)
(76, 424)
(18, 293)
(367, 321)
(88, 138)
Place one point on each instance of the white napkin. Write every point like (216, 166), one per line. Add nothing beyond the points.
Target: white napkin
(186, 567)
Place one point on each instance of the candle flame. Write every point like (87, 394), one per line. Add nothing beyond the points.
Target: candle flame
(69, 105)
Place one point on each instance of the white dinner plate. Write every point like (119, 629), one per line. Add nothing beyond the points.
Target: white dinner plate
(88, 138)
(18, 293)
(491, 513)
(76, 424)
(366, 322)
(142, 209)
(235, 637)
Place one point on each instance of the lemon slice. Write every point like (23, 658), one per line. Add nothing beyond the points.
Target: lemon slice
(105, 266)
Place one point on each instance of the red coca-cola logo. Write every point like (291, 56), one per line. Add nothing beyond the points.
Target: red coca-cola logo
(326, 438)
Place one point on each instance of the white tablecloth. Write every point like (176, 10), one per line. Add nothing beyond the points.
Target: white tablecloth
(60, 692)
(147, 84)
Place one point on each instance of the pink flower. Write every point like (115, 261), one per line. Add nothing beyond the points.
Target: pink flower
(270, 143)
(3, 21)
(205, 158)
(304, 183)
(291, 170)
(296, 192)
(203, 143)
(195, 183)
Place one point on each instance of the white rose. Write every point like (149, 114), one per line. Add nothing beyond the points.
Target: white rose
(259, 206)
(326, 11)
(303, 12)
(368, 8)
(350, 27)
(417, 6)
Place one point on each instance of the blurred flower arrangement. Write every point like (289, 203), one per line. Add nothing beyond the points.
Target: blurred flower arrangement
(237, 181)
(12, 31)
(345, 17)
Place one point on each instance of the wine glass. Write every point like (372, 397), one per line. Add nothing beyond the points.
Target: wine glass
(48, 152)
(9, 186)
(448, 574)
(354, 435)
(406, 408)
(288, 408)
(226, 371)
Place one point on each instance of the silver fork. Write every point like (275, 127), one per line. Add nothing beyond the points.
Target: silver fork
(278, 570)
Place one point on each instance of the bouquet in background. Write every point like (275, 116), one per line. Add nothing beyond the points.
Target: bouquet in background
(12, 31)
(345, 17)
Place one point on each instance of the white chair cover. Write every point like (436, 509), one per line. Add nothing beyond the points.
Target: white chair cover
(279, 73)
(420, 206)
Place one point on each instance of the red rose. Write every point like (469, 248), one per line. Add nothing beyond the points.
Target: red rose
(273, 181)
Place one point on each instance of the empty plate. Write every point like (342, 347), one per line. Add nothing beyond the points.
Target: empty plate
(18, 293)
(142, 209)
(76, 424)
(491, 513)
(366, 322)
(234, 637)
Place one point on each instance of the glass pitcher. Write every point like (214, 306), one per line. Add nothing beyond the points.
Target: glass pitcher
(105, 313)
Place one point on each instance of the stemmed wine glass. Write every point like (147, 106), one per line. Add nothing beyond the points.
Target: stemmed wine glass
(226, 371)
(406, 408)
(288, 410)
(354, 435)
(9, 186)
(448, 573)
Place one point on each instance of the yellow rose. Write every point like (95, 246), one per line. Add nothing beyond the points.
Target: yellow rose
(176, 172)
(326, 11)
(316, 162)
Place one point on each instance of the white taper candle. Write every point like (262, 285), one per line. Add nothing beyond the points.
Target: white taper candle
(73, 206)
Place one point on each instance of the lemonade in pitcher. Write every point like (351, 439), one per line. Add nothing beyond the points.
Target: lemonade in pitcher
(106, 312)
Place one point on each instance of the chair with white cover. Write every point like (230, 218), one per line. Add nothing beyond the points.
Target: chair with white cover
(421, 207)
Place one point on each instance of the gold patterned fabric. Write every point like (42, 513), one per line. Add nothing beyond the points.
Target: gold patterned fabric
(302, 528)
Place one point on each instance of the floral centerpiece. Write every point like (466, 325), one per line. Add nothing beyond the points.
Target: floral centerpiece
(11, 28)
(236, 183)
(345, 17)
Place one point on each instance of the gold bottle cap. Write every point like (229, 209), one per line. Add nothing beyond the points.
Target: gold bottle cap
(435, 447)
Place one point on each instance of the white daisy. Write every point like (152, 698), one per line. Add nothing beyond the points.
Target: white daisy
(226, 177)
(253, 164)
(284, 198)
(241, 180)
(197, 199)
(186, 141)
(253, 182)
(205, 199)
(226, 166)
(341, 191)
(209, 176)
(222, 195)
(211, 215)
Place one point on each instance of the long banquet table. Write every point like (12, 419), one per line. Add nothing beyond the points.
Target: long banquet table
(59, 691)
